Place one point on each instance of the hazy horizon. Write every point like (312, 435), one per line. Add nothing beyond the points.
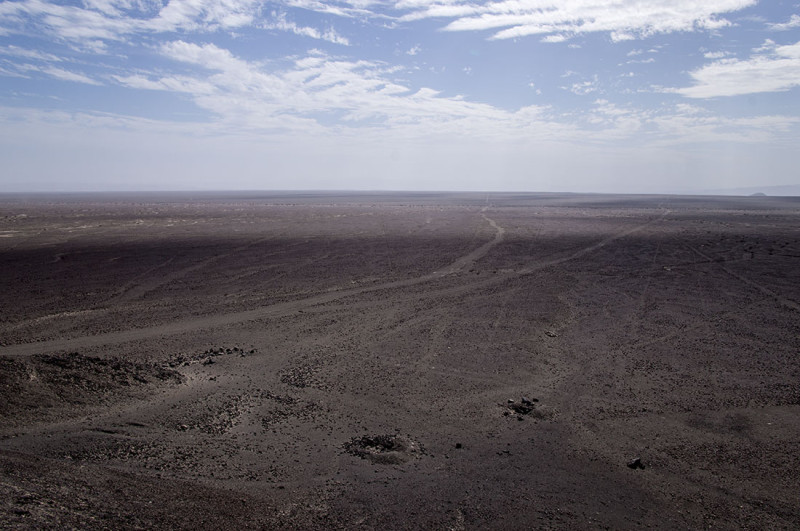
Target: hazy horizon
(776, 192)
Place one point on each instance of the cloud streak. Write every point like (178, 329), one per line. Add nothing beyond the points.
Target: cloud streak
(772, 69)
(282, 24)
(114, 20)
(558, 21)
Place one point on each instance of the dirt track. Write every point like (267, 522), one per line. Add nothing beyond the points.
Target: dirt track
(335, 361)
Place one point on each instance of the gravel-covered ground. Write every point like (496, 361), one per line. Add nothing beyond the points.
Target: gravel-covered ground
(399, 361)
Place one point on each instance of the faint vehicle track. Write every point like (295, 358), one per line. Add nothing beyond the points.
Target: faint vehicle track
(290, 307)
(478, 253)
(132, 289)
(139, 290)
(591, 248)
(763, 289)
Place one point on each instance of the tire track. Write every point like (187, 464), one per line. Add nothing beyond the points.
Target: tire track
(590, 249)
(137, 291)
(290, 307)
(792, 305)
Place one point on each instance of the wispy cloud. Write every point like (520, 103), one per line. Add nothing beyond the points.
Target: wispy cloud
(281, 23)
(641, 61)
(114, 20)
(343, 8)
(772, 68)
(16, 51)
(621, 19)
(364, 98)
(66, 75)
(583, 88)
(24, 69)
(793, 22)
(360, 93)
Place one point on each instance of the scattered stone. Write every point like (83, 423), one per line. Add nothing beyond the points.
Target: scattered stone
(183, 360)
(384, 449)
(459, 446)
(521, 409)
(529, 407)
(636, 463)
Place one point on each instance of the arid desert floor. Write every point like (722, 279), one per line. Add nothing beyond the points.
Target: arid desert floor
(399, 361)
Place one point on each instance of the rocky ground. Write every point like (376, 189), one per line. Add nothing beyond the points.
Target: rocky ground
(399, 361)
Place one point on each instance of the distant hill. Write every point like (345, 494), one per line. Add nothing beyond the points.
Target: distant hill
(760, 191)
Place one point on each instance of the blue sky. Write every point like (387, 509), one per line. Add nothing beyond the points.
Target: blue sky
(635, 96)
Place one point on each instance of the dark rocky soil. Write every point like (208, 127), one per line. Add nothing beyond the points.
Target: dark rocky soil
(421, 361)
(49, 387)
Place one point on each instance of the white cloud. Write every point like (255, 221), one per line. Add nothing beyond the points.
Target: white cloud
(66, 75)
(361, 95)
(554, 38)
(641, 61)
(184, 84)
(52, 71)
(113, 20)
(281, 23)
(8, 73)
(768, 46)
(794, 22)
(691, 125)
(16, 51)
(583, 88)
(343, 8)
(681, 125)
(414, 50)
(772, 69)
(556, 21)
(621, 19)
(204, 15)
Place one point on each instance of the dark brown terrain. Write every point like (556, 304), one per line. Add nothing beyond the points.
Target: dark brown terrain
(445, 361)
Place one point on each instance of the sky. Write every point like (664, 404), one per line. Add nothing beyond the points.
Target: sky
(619, 96)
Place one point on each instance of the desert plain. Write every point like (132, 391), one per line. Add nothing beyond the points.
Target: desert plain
(399, 361)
